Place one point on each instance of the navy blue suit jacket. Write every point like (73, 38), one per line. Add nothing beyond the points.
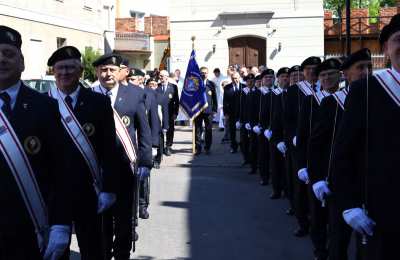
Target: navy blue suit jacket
(130, 102)
(152, 115)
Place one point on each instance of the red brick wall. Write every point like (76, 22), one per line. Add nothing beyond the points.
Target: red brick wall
(357, 26)
(390, 11)
(125, 24)
(156, 25)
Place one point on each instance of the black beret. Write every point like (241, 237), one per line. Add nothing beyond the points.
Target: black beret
(124, 62)
(249, 76)
(310, 61)
(10, 36)
(268, 72)
(329, 64)
(360, 55)
(108, 59)
(64, 53)
(391, 28)
(258, 77)
(138, 72)
(282, 71)
(295, 68)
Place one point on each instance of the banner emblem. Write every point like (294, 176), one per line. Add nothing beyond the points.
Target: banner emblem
(89, 129)
(126, 120)
(32, 145)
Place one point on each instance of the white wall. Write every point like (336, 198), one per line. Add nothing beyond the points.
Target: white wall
(41, 22)
(298, 25)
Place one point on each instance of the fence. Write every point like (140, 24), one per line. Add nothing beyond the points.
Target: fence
(378, 59)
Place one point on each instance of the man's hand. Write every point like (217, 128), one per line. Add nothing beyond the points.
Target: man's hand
(105, 201)
(302, 174)
(268, 134)
(295, 141)
(321, 190)
(248, 126)
(143, 172)
(58, 242)
(257, 130)
(238, 125)
(359, 221)
(282, 147)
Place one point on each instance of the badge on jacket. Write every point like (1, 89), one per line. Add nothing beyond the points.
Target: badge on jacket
(126, 120)
(89, 129)
(209, 92)
(170, 96)
(32, 145)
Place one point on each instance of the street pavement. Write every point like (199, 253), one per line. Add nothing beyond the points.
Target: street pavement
(208, 207)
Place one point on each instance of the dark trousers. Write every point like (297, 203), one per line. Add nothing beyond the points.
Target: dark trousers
(291, 175)
(384, 244)
(160, 149)
(170, 132)
(207, 119)
(245, 144)
(318, 225)
(339, 232)
(144, 192)
(264, 157)
(253, 151)
(19, 245)
(277, 168)
(232, 133)
(301, 203)
(120, 220)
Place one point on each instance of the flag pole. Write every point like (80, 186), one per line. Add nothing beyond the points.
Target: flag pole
(193, 38)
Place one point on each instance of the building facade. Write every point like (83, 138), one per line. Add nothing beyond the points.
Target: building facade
(48, 25)
(251, 33)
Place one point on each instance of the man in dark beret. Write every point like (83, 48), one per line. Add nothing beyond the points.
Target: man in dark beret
(318, 154)
(94, 149)
(133, 150)
(124, 71)
(35, 190)
(357, 65)
(365, 159)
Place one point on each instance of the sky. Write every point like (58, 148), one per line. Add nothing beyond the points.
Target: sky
(157, 7)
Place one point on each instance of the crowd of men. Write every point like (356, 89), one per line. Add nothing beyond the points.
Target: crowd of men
(80, 159)
(76, 158)
(327, 138)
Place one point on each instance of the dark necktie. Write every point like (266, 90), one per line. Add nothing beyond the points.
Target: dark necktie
(68, 100)
(6, 107)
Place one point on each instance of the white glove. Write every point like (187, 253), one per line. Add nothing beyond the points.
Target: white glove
(321, 190)
(105, 201)
(257, 130)
(247, 126)
(303, 175)
(164, 131)
(268, 134)
(153, 151)
(359, 221)
(58, 242)
(295, 141)
(281, 147)
(238, 125)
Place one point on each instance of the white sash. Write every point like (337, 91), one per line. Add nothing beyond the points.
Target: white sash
(277, 91)
(24, 176)
(340, 97)
(122, 132)
(320, 95)
(390, 83)
(264, 90)
(78, 135)
(305, 87)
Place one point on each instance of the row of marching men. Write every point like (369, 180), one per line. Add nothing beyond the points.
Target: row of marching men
(77, 158)
(332, 151)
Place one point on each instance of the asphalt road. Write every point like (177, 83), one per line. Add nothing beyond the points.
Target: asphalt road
(208, 207)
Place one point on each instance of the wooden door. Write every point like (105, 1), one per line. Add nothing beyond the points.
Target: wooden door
(247, 51)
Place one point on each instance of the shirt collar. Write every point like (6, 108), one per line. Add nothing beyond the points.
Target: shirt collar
(73, 95)
(12, 91)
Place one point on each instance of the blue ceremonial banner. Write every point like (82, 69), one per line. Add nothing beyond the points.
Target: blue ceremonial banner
(193, 96)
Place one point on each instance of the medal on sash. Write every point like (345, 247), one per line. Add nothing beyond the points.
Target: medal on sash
(19, 165)
(122, 132)
(390, 83)
(79, 135)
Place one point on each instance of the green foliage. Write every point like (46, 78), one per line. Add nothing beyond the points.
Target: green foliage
(337, 6)
(89, 72)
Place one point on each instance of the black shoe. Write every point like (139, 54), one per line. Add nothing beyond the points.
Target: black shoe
(156, 165)
(275, 196)
(143, 213)
(167, 152)
(290, 212)
(233, 150)
(207, 151)
(264, 182)
(301, 232)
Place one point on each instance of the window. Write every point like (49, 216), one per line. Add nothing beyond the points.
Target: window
(61, 42)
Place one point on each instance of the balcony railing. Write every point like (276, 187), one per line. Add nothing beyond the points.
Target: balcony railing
(359, 26)
(132, 41)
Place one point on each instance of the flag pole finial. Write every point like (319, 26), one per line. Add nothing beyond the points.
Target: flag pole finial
(193, 38)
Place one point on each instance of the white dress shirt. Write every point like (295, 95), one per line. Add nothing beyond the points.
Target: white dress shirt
(13, 93)
(73, 95)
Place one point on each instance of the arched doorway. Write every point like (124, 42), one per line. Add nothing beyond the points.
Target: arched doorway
(247, 50)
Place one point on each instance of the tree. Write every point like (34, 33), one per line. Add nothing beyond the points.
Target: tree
(337, 6)
(89, 72)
